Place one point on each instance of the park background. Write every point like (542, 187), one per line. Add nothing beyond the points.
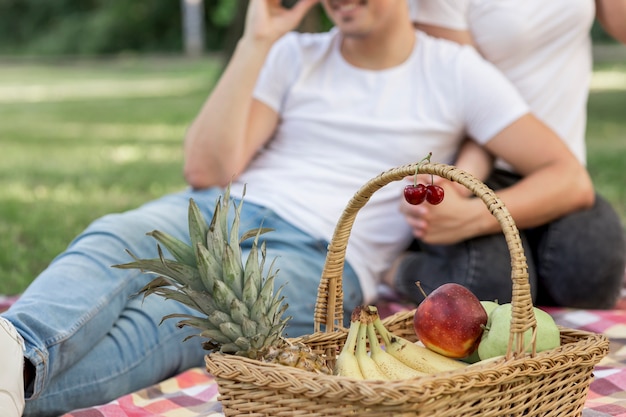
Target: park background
(95, 97)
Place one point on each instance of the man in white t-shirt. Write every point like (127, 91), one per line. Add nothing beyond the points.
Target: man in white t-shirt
(304, 121)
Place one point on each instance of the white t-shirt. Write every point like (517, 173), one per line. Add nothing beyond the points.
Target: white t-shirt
(341, 126)
(542, 46)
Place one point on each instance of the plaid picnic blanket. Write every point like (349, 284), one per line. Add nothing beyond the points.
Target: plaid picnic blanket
(194, 393)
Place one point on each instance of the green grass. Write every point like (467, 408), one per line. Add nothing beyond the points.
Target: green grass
(606, 134)
(79, 140)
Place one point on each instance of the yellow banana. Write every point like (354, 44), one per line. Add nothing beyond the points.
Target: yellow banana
(368, 367)
(387, 363)
(415, 356)
(346, 363)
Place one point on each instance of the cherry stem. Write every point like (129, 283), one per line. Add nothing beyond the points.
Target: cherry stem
(417, 168)
(419, 285)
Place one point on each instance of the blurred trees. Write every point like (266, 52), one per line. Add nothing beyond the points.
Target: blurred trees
(90, 27)
(95, 27)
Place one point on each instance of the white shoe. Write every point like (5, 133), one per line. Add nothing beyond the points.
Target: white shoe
(11, 370)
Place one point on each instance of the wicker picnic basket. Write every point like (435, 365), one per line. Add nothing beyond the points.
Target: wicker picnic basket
(550, 383)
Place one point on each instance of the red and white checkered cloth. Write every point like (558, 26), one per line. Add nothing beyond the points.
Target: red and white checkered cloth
(194, 393)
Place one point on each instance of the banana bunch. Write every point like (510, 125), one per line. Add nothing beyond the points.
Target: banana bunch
(401, 359)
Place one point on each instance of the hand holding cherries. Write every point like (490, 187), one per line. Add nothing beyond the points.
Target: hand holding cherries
(418, 193)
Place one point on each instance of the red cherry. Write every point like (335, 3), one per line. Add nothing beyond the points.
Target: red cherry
(434, 194)
(415, 194)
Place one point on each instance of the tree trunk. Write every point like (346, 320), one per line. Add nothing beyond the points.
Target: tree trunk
(193, 27)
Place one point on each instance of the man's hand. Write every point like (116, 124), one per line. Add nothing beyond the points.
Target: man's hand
(267, 20)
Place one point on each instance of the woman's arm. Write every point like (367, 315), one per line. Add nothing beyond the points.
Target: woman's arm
(612, 16)
(464, 37)
(554, 184)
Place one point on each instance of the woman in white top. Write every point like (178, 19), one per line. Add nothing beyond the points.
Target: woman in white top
(544, 49)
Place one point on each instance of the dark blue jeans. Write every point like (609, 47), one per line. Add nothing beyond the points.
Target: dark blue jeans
(576, 261)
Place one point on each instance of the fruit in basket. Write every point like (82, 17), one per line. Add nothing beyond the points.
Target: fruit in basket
(414, 355)
(418, 193)
(489, 306)
(450, 321)
(346, 363)
(239, 311)
(495, 339)
(400, 359)
(392, 367)
(415, 193)
(434, 194)
(369, 368)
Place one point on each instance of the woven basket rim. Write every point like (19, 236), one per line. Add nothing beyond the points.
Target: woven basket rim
(482, 374)
(266, 389)
(328, 314)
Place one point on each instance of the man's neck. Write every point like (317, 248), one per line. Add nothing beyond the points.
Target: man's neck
(377, 52)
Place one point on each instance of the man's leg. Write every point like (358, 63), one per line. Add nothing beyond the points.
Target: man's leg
(580, 258)
(482, 264)
(78, 301)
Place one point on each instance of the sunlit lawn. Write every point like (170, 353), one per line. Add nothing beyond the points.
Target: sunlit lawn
(606, 137)
(81, 140)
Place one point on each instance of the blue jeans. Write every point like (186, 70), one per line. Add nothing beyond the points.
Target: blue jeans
(89, 337)
(575, 261)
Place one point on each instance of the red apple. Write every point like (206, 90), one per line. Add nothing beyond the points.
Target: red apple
(450, 321)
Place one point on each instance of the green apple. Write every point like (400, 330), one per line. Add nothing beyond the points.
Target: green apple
(495, 338)
(489, 306)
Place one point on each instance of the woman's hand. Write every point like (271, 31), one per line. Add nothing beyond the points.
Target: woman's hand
(451, 221)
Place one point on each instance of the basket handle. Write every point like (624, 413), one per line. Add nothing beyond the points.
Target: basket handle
(329, 304)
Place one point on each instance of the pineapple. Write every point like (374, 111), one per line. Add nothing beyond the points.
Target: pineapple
(239, 311)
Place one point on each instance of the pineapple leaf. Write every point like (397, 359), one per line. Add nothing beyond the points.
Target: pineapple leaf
(217, 235)
(223, 219)
(260, 308)
(208, 267)
(216, 335)
(198, 227)
(243, 343)
(255, 233)
(200, 300)
(253, 275)
(223, 295)
(233, 241)
(217, 317)
(233, 269)
(175, 294)
(154, 284)
(238, 311)
(181, 251)
(201, 323)
(248, 327)
(231, 348)
(258, 341)
(263, 255)
(231, 330)
(175, 271)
